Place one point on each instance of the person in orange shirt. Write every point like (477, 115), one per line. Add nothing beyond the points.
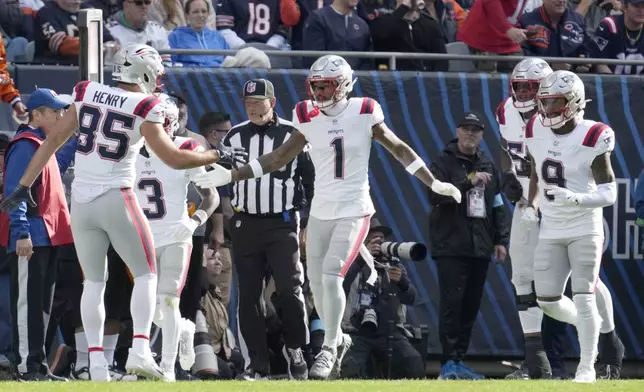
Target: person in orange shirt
(8, 91)
(459, 12)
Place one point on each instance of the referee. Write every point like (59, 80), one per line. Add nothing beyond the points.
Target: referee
(264, 232)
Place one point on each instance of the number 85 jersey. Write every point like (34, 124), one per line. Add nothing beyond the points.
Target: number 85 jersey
(340, 147)
(109, 137)
(565, 161)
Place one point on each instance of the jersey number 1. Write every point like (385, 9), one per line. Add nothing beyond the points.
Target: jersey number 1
(338, 162)
(89, 118)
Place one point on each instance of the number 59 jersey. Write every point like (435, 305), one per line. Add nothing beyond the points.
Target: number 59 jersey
(109, 137)
(162, 191)
(340, 150)
(565, 161)
(512, 127)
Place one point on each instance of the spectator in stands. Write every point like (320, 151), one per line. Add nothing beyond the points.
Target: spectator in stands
(58, 40)
(553, 31)
(595, 10)
(197, 36)
(489, 29)
(445, 13)
(133, 26)
(296, 17)
(619, 37)
(244, 21)
(8, 91)
(408, 29)
(214, 126)
(109, 7)
(15, 29)
(337, 27)
(170, 14)
(460, 13)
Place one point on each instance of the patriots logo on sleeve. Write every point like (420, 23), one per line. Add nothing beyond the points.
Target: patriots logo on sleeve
(601, 42)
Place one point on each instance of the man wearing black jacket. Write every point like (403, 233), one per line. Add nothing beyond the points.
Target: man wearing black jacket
(463, 237)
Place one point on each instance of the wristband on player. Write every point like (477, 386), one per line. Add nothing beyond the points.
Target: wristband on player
(200, 216)
(257, 168)
(415, 166)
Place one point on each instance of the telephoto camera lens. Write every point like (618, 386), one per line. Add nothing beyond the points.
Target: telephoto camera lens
(411, 251)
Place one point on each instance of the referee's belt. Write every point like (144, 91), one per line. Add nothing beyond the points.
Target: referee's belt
(286, 215)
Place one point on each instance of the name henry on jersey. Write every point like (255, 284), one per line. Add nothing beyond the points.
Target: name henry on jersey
(106, 98)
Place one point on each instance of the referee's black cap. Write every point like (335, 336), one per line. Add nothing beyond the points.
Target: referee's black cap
(259, 88)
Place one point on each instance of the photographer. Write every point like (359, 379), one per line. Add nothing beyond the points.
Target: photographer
(374, 315)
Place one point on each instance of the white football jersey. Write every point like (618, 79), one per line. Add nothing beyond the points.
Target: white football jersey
(565, 161)
(512, 127)
(153, 34)
(109, 140)
(340, 147)
(162, 191)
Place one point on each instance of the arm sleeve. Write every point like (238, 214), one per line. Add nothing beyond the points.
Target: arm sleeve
(377, 116)
(56, 35)
(150, 109)
(407, 294)
(17, 159)
(65, 155)
(225, 18)
(8, 92)
(639, 197)
(440, 173)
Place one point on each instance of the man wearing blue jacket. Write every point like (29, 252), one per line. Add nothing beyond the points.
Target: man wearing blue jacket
(639, 207)
(33, 232)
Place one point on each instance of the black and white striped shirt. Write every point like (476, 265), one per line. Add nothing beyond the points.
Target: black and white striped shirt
(285, 189)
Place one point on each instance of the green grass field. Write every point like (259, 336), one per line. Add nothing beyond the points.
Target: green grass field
(331, 386)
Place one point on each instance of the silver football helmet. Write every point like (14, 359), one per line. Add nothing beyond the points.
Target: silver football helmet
(524, 82)
(138, 64)
(171, 123)
(330, 81)
(561, 98)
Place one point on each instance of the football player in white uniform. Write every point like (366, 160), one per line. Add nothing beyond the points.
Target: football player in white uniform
(113, 123)
(339, 130)
(573, 179)
(162, 193)
(512, 115)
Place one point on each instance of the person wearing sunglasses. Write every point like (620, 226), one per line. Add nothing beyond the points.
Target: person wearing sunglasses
(133, 25)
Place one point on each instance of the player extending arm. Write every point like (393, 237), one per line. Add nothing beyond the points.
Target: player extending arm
(136, 70)
(279, 157)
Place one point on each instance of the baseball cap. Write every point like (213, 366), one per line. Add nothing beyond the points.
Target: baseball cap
(259, 88)
(472, 118)
(47, 98)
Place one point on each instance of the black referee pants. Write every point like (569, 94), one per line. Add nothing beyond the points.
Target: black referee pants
(32, 291)
(461, 283)
(261, 244)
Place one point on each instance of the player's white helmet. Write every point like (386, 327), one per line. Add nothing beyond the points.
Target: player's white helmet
(171, 123)
(525, 80)
(330, 80)
(138, 64)
(561, 97)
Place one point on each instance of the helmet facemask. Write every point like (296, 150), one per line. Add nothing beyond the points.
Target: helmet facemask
(327, 92)
(524, 93)
(556, 110)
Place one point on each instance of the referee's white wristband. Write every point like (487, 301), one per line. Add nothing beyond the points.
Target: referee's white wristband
(415, 165)
(257, 168)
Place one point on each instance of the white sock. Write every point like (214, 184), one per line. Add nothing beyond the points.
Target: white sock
(334, 303)
(605, 307)
(169, 306)
(82, 355)
(562, 310)
(587, 328)
(93, 317)
(109, 345)
(142, 307)
(531, 320)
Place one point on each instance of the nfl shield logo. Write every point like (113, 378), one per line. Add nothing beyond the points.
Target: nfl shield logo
(250, 88)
